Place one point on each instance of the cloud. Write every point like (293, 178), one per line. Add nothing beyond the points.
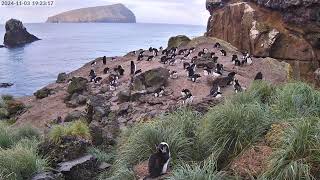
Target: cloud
(149, 11)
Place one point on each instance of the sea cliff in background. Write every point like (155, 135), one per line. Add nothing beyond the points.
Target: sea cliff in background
(116, 13)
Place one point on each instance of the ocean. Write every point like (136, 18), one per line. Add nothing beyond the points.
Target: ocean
(66, 47)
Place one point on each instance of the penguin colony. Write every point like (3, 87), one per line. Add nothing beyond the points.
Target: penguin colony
(187, 59)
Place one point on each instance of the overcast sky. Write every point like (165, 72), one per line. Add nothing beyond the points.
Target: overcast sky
(149, 11)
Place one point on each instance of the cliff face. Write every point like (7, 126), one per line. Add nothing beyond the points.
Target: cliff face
(116, 13)
(283, 29)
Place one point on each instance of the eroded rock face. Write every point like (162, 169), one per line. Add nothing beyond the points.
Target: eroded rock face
(285, 30)
(17, 34)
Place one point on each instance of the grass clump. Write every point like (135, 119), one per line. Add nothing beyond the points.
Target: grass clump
(21, 161)
(6, 139)
(229, 128)
(177, 129)
(102, 156)
(295, 100)
(298, 156)
(200, 171)
(77, 129)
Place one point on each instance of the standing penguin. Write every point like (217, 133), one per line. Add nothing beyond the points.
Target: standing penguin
(133, 68)
(104, 60)
(159, 161)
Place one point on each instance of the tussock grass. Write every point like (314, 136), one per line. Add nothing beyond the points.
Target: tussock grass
(295, 100)
(198, 171)
(26, 131)
(229, 128)
(78, 129)
(299, 155)
(21, 161)
(6, 139)
(138, 143)
(102, 155)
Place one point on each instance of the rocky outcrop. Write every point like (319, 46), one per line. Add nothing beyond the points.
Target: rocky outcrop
(43, 93)
(151, 79)
(285, 30)
(116, 13)
(5, 85)
(178, 41)
(16, 34)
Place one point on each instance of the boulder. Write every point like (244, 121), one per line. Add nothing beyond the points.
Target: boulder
(82, 168)
(43, 93)
(14, 107)
(154, 78)
(98, 108)
(62, 77)
(67, 149)
(5, 85)
(77, 100)
(75, 115)
(16, 34)
(177, 41)
(282, 29)
(48, 176)
(77, 85)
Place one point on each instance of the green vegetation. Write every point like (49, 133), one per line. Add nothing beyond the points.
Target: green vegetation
(102, 155)
(9, 107)
(18, 153)
(78, 129)
(202, 148)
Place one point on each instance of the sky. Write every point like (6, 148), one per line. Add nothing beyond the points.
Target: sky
(146, 11)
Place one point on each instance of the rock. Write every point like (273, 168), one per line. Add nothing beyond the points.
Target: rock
(16, 34)
(104, 166)
(116, 13)
(62, 77)
(43, 93)
(97, 108)
(96, 132)
(14, 107)
(178, 41)
(153, 78)
(47, 176)
(123, 109)
(75, 115)
(2, 46)
(5, 85)
(77, 100)
(83, 168)
(77, 85)
(124, 96)
(67, 149)
(282, 29)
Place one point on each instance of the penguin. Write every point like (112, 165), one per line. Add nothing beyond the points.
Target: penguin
(159, 92)
(97, 79)
(259, 76)
(195, 77)
(246, 59)
(190, 72)
(237, 86)
(104, 60)
(93, 63)
(201, 53)
(172, 62)
(217, 45)
(163, 59)
(137, 72)
(106, 70)
(173, 74)
(215, 59)
(205, 50)
(159, 161)
(161, 48)
(216, 91)
(187, 55)
(133, 68)
(219, 69)
(194, 59)
(92, 75)
(164, 52)
(185, 92)
(186, 65)
(113, 58)
(192, 49)
(223, 52)
(113, 82)
(237, 62)
(119, 70)
(234, 57)
(155, 52)
(207, 71)
(181, 52)
(150, 58)
(140, 57)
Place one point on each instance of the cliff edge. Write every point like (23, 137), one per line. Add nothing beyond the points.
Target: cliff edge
(116, 13)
